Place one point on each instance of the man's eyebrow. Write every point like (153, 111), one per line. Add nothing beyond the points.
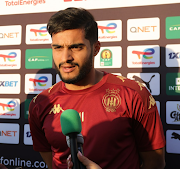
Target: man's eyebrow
(56, 45)
(73, 45)
(76, 45)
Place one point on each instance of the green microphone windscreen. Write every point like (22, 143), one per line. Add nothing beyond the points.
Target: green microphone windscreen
(70, 122)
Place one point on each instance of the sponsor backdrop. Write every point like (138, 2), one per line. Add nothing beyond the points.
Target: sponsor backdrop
(140, 40)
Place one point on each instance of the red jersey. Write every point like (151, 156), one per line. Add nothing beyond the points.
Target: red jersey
(119, 119)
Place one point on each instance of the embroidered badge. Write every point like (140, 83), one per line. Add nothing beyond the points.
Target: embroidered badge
(111, 100)
(152, 102)
(122, 78)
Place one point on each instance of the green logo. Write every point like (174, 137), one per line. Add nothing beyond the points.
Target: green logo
(106, 58)
(173, 27)
(38, 59)
(26, 108)
(173, 83)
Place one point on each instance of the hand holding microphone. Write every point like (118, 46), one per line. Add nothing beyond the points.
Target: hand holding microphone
(71, 127)
(88, 163)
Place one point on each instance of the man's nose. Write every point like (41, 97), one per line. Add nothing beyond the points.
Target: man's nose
(67, 55)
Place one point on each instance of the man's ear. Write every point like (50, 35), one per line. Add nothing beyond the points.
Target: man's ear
(97, 46)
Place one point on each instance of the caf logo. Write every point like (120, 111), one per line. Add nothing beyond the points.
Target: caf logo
(106, 54)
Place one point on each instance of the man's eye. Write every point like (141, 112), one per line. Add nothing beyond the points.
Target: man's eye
(58, 47)
(76, 47)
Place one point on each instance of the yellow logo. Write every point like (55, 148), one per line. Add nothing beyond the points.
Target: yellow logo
(56, 109)
(152, 102)
(106, 54)
(122, 78)
(51, 88)
(111, 100)
(34, 99)
(140, 85)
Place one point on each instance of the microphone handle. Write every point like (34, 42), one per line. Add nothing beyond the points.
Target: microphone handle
(80, 148)
(74, 150)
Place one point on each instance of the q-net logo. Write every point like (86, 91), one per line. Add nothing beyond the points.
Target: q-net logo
(40, 81)
(42, 31)
(10, 35)
(110, 30)
(143, 29)
(9, 133)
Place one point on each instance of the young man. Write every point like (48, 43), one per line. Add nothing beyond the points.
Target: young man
(120, 122)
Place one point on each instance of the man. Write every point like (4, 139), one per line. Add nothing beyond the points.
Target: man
(120, 122)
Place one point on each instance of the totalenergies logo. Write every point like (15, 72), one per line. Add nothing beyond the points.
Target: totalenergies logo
(10, 56)
(42, 31)
(109, 28)
(10, 105)
(42, 79)
(145, 53)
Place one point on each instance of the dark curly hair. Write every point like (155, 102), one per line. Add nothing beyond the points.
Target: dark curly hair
(74, 18)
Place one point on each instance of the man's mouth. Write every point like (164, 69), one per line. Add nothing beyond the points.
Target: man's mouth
(68, 68)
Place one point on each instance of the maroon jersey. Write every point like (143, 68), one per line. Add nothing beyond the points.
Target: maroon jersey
(119, 119)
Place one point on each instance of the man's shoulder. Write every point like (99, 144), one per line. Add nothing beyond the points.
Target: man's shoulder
(136, 87)
(47, 94)
(126, 83)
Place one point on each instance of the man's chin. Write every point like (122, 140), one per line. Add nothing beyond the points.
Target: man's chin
(69, 80)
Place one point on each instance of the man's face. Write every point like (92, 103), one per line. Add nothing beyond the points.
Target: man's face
(72, 55)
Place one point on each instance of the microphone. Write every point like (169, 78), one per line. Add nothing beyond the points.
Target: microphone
(71, 126)
(80, 142)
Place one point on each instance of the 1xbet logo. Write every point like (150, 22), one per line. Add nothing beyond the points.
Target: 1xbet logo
(173, 55)
(10, 105)
(42, 31)
(145, 53)
(8, 83)
(10, 56)
(42, 79)
(110, 28)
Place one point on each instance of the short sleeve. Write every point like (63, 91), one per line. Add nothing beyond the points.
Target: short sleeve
(40, 142)
(147, 125)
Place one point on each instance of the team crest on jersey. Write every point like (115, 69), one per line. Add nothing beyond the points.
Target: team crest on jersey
(111, 100)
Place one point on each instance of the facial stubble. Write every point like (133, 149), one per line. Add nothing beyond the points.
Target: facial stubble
(83, 71)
